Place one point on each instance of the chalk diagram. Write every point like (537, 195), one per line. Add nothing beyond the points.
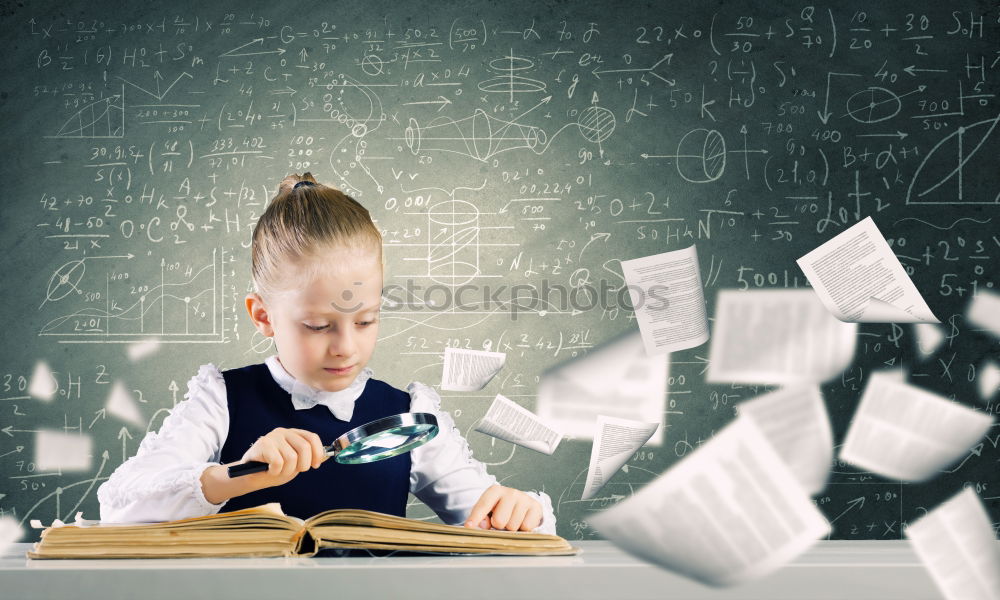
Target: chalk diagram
(481, 136)
(183, 311)
(104, 118)
(941, 176)
(873, 105)
(359, 109)
(700, 156)
(508, 81)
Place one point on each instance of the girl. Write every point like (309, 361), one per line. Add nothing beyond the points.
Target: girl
(317, 273)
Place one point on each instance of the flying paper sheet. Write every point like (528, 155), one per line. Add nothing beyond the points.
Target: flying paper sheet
(903, 432)
(513, 423)
(121, 405)
(777, 337)
(10, 532)
(140, 350)
(929, 338)
(795, 421)
(58, 450)
(43, 385)
(469, 370)
(984, 312)
(615, 442)
(728, 512)
(988, 380)
(955, 542)
(617, 379)
(860, 280)
(669, 301)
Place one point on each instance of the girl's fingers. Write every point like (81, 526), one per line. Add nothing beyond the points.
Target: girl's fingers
(483, 506)
(290, 458)
(269, 453)
(516, 520)
(316, 445)
(503, 510)
(303, 451)
(533, 518)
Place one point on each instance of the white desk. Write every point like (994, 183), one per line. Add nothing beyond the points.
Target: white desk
(882, 570)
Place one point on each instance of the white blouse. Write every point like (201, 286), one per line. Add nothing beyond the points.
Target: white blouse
(163, 480)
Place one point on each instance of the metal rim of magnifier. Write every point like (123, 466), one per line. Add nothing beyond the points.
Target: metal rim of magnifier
(381, 425)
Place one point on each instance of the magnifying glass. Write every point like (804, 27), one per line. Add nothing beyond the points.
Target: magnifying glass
(376, 440)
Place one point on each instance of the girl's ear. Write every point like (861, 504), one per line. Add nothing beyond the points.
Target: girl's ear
(259, 315)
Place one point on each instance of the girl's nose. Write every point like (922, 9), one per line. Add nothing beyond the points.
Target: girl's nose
(343, 343)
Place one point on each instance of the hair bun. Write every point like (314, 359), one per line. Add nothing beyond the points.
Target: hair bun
(302, 183)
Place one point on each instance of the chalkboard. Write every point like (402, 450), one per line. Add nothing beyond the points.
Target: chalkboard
(496, 144)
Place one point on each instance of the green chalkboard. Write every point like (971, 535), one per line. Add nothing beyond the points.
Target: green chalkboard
(496, 145)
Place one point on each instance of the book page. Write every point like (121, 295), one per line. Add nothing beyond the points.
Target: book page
(955, 541)
(513, 423)
(615, 442)
(903, 432)
(469, 370)
(668, 299)
(860, 280)
(777, 337)
(728, 512)
(634, 386)
(795, 421)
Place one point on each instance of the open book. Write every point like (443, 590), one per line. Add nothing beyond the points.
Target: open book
(266, 531)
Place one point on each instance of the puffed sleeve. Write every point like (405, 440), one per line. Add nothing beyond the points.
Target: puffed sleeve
(162, 482)
(445, 476)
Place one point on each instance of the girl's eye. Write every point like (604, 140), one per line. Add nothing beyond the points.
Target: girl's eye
(319, 328)
(365, 323)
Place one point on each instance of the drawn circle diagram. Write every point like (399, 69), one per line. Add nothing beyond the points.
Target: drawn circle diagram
(941, 177)
(64, 281)
(509, 83)
(596, 124)
(873, 105)
(701, 155)
(453, 259)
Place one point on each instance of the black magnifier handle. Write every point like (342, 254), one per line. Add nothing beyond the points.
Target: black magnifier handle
(251, 466)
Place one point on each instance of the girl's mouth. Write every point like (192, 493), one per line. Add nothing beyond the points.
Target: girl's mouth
(343, 371)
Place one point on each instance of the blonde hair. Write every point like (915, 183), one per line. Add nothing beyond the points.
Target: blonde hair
(302, 221)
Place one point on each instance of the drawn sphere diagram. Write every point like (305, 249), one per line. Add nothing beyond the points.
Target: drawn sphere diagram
(507, 81)
(596, 124)
(873, 105)
(701, 155)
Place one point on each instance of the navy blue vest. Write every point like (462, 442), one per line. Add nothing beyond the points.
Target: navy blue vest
(257, 404)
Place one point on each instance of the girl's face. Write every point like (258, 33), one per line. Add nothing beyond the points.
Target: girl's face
(325, 329)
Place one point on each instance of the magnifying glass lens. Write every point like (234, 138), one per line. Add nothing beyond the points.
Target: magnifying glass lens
(386, 444)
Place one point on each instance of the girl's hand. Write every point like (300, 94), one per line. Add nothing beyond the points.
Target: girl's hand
(505, 508)
(287, 452)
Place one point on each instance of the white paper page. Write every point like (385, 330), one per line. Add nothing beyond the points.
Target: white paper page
(10, 532)
(615, 442)
(929, 338)
(638, 393)
(984, 312)
(670, 308)
(902, 432)
(513, 423)
(729, 512)
(62, 451)
(795, 421)
(988, 380)
(603, 367)
(469, 370)
(955, 542)
(777, 337)
(121, 405)
(860, 280)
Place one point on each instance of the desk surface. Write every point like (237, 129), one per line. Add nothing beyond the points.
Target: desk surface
(886, 570)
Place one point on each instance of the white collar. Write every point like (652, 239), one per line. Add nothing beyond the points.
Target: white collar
(340, 403)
